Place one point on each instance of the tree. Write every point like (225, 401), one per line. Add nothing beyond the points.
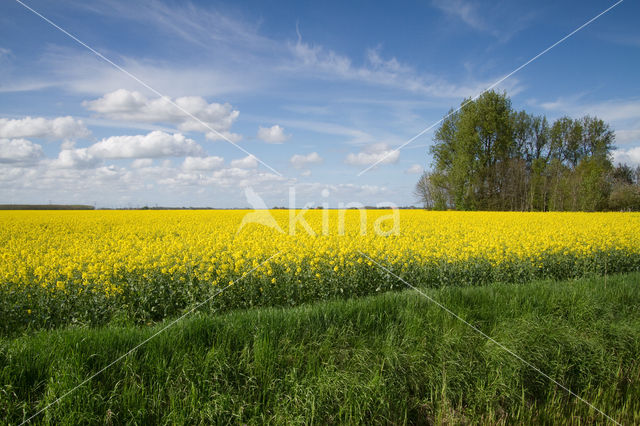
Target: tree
(623, 174)
(593, 186)
(472, 146)
(625, 189)
(486, 156)
(430, 192)
(597, 139)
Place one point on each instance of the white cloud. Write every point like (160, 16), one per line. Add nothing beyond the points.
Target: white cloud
(202, 163)
(152, 145)
(77, 72)
(355, 136)
(318, 61)
(499, 19)
(122, 104)
(630, 157)
(38, 127)
(248, 162)
(205, 27)
(229, 178)
(224, 46)
(299, 161)
(218, 35)
(609, 110)
(77, 177)
(128, 105)
(342, 192)
(19, 151)
(415, 169)
(305, 173)
(141, 163)
(233, 172)
(273, 134)
(75, 159)
(224, 135)
(373, 154)
(628, 135)
(464, 10)
(621, 114)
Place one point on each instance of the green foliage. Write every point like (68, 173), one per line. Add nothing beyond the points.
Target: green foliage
(487, 156)
(625, 192)
(392, 358)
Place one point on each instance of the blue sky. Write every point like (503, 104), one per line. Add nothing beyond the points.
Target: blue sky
(315, 91)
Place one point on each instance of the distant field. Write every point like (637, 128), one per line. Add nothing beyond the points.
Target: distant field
(86, 268)
(45, 207)
(394, 358)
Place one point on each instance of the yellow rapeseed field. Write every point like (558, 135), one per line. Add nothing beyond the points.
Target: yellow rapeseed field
(53, 249)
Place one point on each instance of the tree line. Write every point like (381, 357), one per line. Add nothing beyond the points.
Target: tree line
(488, 156)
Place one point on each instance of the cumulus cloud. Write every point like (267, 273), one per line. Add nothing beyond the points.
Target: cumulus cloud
(342, 192)
(378, 153)
(230, 178)
(75, 159)
(630, 157)
(152, 145)
(66, 128)
(128, 105)
(202, 163)
(75, 176)
(273, 134)
(141, 163)
(248, 162)
(19, 151)
(299, 161)
(415, 169)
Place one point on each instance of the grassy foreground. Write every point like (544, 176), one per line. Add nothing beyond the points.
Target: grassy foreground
(390, 358)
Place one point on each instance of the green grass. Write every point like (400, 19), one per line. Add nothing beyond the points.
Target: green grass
(390, 358)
